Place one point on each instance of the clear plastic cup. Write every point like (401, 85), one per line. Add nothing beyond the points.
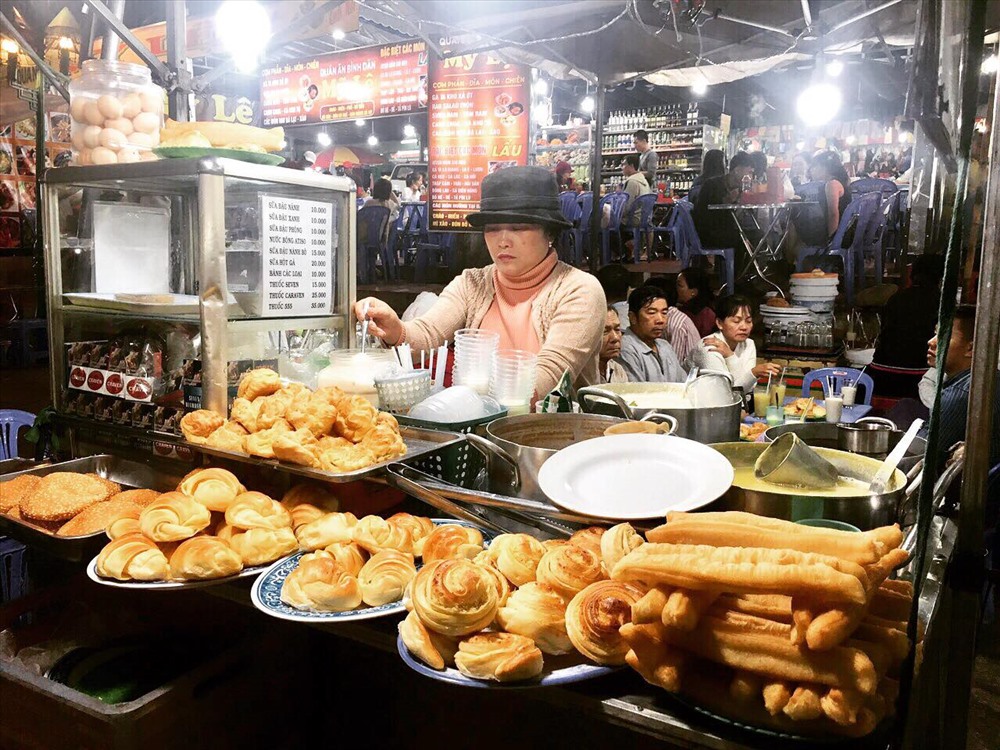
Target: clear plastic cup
(834, 408)
(513, 380)
(849, 392)
(474, 353)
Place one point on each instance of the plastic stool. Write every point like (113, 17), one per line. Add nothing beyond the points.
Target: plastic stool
(13, 570)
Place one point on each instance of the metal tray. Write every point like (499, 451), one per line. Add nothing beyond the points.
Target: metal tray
(419, 442)
(129, 474)
(11, 465)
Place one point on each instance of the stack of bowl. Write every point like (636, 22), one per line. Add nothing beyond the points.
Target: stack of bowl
(814, 291)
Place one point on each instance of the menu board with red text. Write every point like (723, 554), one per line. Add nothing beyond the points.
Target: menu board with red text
(478, 122)
(357, 83)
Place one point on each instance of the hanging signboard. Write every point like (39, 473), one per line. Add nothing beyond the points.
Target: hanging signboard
(358, 83)
(478, 122)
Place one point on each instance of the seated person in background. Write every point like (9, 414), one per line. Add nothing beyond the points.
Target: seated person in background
(614, 279)
(718, 228)
(680, 331)
(635, 185)
(695, 298)
(759, 160)
(611, 347)
(414, 186)
(382, 196)
(731, 349)
(564, 176)
(712, 165)
(816, 228)
(798, 173)
(646, 356)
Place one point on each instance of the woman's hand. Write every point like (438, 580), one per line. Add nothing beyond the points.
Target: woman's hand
(768, 368)
(384, 323)
(715, 343)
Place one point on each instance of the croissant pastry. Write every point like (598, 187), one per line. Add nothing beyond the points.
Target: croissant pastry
(589, 537)
(452, 541)
(228, 438)
(246, 413)
(569, 569)
(204, 557)
(504, 657)
(197, 425)
(374, 533)
(126, 523)
(299, 447)
(320, 583)
(594, 617)
(454, 597)
(133, 557)
(330, 528)
(259, 382)
(307, 502)
(174, 516)
(419, 528)
(355, 417)
(617, 542)
(214, 488)
(537, 611)
(384, 577)
(255, 510)
(517, 556)
(259, 546)
(349, 555)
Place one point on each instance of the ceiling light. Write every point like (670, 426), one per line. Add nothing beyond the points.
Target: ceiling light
(990, 65)
(338, 34)
(699, 87)
(409, 131)
(587, 104)
(360, 122)
(834, 68)
(9, 46)
(819, 104)
(244, 29)
(372, 140)
(541, 87)
(324, 140)
(65, 42)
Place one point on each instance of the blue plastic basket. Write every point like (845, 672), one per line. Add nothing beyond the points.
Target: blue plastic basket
(13, 570)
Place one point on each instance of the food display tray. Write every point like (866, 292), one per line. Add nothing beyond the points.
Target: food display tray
(129, 474)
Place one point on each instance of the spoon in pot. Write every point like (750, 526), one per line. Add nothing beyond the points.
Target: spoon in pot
(881, 480)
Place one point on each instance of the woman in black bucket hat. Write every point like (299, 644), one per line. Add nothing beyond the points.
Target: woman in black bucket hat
(534, 301)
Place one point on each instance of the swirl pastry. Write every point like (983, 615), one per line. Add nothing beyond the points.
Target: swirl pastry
(374, 533)
(589, 537)
(216, 489)
(419, 528)
(617, 542)
(255, 510)
(174, 516)
(245, 413)
(320, 583)
(259, 546)
(133, 557)
(504, 657)
(349, 555)
(454, 597)
(452, 541)
(299, 447)
(551, 544)
(204, 557)
(419, 640)
(307, 502)
(384, 442)
(196, 426)
(537, 611)
(517, 557)
(229, 437)
(330, 528)
(259, 382)
(503, 585)
(127, 522)
(569, 569)
(355, 417)
(384, 577)
(594, 617)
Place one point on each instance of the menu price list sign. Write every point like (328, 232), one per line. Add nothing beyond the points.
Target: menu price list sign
(359, 83)
(297, 256)
(479, 121)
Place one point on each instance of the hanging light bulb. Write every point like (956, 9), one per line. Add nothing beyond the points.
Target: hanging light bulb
(324, 140)
(409, 131)
(587, 104)
(244, 29)
(372, 140)
(834, 68)
(541, 87)
(818, 104)
(338, 34)
(360, 122)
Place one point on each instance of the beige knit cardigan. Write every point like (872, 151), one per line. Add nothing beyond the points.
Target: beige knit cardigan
(568, 316)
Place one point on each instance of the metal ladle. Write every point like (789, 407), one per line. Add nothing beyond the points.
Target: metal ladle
(790, 461)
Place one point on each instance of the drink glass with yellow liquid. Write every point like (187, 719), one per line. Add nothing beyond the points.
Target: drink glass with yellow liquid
(761, 399)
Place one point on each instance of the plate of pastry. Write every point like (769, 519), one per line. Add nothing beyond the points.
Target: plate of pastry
(354, 579)
(169, 585)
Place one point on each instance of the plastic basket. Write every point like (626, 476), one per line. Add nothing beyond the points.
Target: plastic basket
(13, 570)
(459, 463)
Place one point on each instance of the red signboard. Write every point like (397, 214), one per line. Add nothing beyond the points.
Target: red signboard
(367, 82)
(479, 122)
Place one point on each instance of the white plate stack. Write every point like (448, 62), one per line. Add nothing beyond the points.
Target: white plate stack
(815, 293)
(775, 317)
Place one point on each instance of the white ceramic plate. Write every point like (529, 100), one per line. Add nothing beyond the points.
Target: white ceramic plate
(633, 477)
(94, 576)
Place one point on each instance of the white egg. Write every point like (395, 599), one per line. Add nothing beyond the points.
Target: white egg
(77, 109)
(141, 140)
(131, 105)
(146, 122)
(110, 107)
(123, 124)
(128, 155)
(92, 136)
(113, 139)
(152, 101)
(77, 138)
(92, 113)
(102, 155)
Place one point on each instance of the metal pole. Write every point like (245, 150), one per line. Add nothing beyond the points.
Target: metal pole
(807, 13)
(595, 182)
(110, 41)
(178, 99)
(121, 32)
(754, 24)
(865, 14)
(57, 80)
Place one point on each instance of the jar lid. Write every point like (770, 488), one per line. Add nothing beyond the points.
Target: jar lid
(117, 67)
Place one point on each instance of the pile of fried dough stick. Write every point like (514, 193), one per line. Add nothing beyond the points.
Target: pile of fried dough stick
(769, 622)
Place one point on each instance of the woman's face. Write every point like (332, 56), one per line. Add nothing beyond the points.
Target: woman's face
(684, 293)
(516, 248)
(737, 327)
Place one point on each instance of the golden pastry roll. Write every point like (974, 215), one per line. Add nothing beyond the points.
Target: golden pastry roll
(173, 517)
(504, 657)
(255, 510)
(617, 542)
(421, 642)
(204, 557)
(227, 134)
(517, 556)
(419, 528)
(214, 488)
(349, 555)
(375, 533)
(455, 597)
(451, 540)
(329, 528)
(537, 611)
(595, 616)
(133, 557)
(98, 516)
(319, 583)
(570, 569)
(590, 537)
(384, 577)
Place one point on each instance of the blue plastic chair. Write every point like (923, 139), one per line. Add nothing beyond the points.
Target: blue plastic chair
(874, 185)
(569, 205)
(691, 244)
(646, 204)
(581, 232)
(11, 422)
(838, 375)
(617, 203)
(374, 219)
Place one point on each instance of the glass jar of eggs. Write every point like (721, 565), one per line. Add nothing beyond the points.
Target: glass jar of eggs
(116, 112)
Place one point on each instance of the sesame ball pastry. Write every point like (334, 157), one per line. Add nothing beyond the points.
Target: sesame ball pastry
(61, 495)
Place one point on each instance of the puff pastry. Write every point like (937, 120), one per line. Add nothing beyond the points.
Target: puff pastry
(204, 557)
(384, 577)
(275, 407)
(419, 527)
(97, 517)
(216, 489)
(259, 546)
(245, 413)
(517, 556)
(330, 528)
(617, 542)
(308, 502)
(504, 657)
(197, 425)
(349, 555)
(417, 639)
(452, 540)
(299, 447)
(570, 569)
(339, 458)
(127, 522)
(374, 533)
(594, 617)
(503, 585)
(228, 438)
(355, 417)
(174, 516)
(537, 611)
(255, 510)
(320, 583)
(262, 443)
(589, 537)
(384, 442)
(61, 495)
(257, 383)
(454, 597)
(133, 557)
(316, 415)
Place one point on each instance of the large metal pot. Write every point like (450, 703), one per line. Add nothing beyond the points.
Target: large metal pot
(866, 511)
(824, 435)
(717, 423)
(870, 435)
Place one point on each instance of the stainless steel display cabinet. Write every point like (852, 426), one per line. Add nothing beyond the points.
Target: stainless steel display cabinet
(222, 253)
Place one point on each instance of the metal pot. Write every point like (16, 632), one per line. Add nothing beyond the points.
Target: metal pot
(870, 435)
(866, 511)
(705, 424)
(825, 435)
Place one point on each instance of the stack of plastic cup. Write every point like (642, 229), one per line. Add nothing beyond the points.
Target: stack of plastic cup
(513, 381)
(474, 352)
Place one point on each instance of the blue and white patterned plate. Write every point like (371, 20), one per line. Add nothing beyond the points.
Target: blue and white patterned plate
(557, 670)
(266, 591)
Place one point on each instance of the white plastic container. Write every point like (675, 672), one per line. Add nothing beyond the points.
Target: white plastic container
(354, 372)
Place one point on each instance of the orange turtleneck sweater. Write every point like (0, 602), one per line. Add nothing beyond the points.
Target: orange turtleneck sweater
(510, 313)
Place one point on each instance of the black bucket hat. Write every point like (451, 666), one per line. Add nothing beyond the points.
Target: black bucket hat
(519, 195)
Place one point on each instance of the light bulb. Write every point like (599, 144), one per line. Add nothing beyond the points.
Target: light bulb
(541, 87)
(10, 46)
(338, 34)
(65, 42)
(834, 68)
(699, 87)
(587, 105)
(244, 29)
(372, 140)
(818, 104)
(990, 65)
(360, 122)
(324, 140)
(409, 131)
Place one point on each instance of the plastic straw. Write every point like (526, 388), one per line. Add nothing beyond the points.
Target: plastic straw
(781, 378)
(422, 353)
(769, 382)
(442, 360)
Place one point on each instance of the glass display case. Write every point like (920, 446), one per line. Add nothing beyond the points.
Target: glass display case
(168, 279)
